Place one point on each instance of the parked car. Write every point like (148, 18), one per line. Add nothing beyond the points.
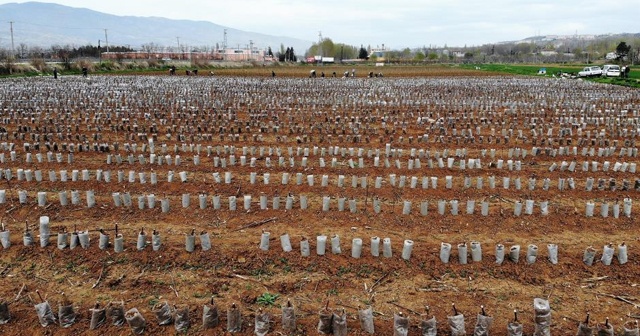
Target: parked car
(590, 71)
(611, 70)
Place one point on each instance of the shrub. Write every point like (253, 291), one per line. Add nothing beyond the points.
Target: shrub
(153, 63)
(78, 65)
(39, 63)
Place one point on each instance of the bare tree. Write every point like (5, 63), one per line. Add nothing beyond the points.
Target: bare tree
(149, 48)
(22, 49)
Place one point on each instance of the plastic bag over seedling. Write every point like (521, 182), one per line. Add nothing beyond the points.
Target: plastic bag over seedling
(514, 328)
(400, 324)
(66, 313)
(542, 317)
(262, 321)
(164, 313)
(483, 324)
(288, 317)
(210, 316)
(182, 322)
(339, 323)
(366, 320)
(5, 315)
(456, 323)
(115, 311)
(325, 322)
(234, 319)
(98, 316)
(136, 322)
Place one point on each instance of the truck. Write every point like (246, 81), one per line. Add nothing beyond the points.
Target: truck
(590, 71)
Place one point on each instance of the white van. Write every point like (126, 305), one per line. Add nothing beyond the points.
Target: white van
(611, 70)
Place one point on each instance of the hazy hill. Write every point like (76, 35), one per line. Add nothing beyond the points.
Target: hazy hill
(46, 24)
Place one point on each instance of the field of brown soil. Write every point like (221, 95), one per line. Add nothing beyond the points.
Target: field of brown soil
(291, 113)
(361, 71)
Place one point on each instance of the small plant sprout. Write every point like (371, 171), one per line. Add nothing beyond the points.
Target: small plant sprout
(267, 299)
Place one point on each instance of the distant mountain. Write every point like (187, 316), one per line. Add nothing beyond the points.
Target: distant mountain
(560, 40)
(46, 24)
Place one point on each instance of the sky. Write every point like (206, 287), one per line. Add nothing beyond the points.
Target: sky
(395, 23)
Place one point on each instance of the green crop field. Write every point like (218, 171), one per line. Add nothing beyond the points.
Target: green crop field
(532, 70)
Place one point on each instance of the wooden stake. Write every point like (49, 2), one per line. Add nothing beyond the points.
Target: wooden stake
(455, 311)
(100, 277)
(174, 291)
(405, 308)
(173, 282)
(254, 224)
(20, 292)
(40, 296)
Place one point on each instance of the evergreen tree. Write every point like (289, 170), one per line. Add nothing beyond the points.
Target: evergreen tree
(287, 55)
(362, 54)
(292, 55)
(622, 50)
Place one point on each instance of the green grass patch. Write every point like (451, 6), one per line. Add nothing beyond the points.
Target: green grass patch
(532, 70)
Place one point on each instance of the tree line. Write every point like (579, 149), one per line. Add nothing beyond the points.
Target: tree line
(339, 51)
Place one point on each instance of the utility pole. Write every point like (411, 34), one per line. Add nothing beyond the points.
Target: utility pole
(178, 51)
(99, 53)
(106, 39)
(250, 50)
(13, 49)
(224, 41)
(320, 46)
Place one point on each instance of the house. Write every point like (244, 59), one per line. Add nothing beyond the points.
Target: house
(611, 55)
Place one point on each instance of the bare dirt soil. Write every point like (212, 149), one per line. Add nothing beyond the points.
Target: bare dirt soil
(235, 270)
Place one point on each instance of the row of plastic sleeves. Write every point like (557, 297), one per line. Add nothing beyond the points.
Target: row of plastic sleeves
(388, 152)
(83, 239)
(149, 201)
(330, 321)
(463, 250)
(377, 245)
(394, 180)
(412, 163)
